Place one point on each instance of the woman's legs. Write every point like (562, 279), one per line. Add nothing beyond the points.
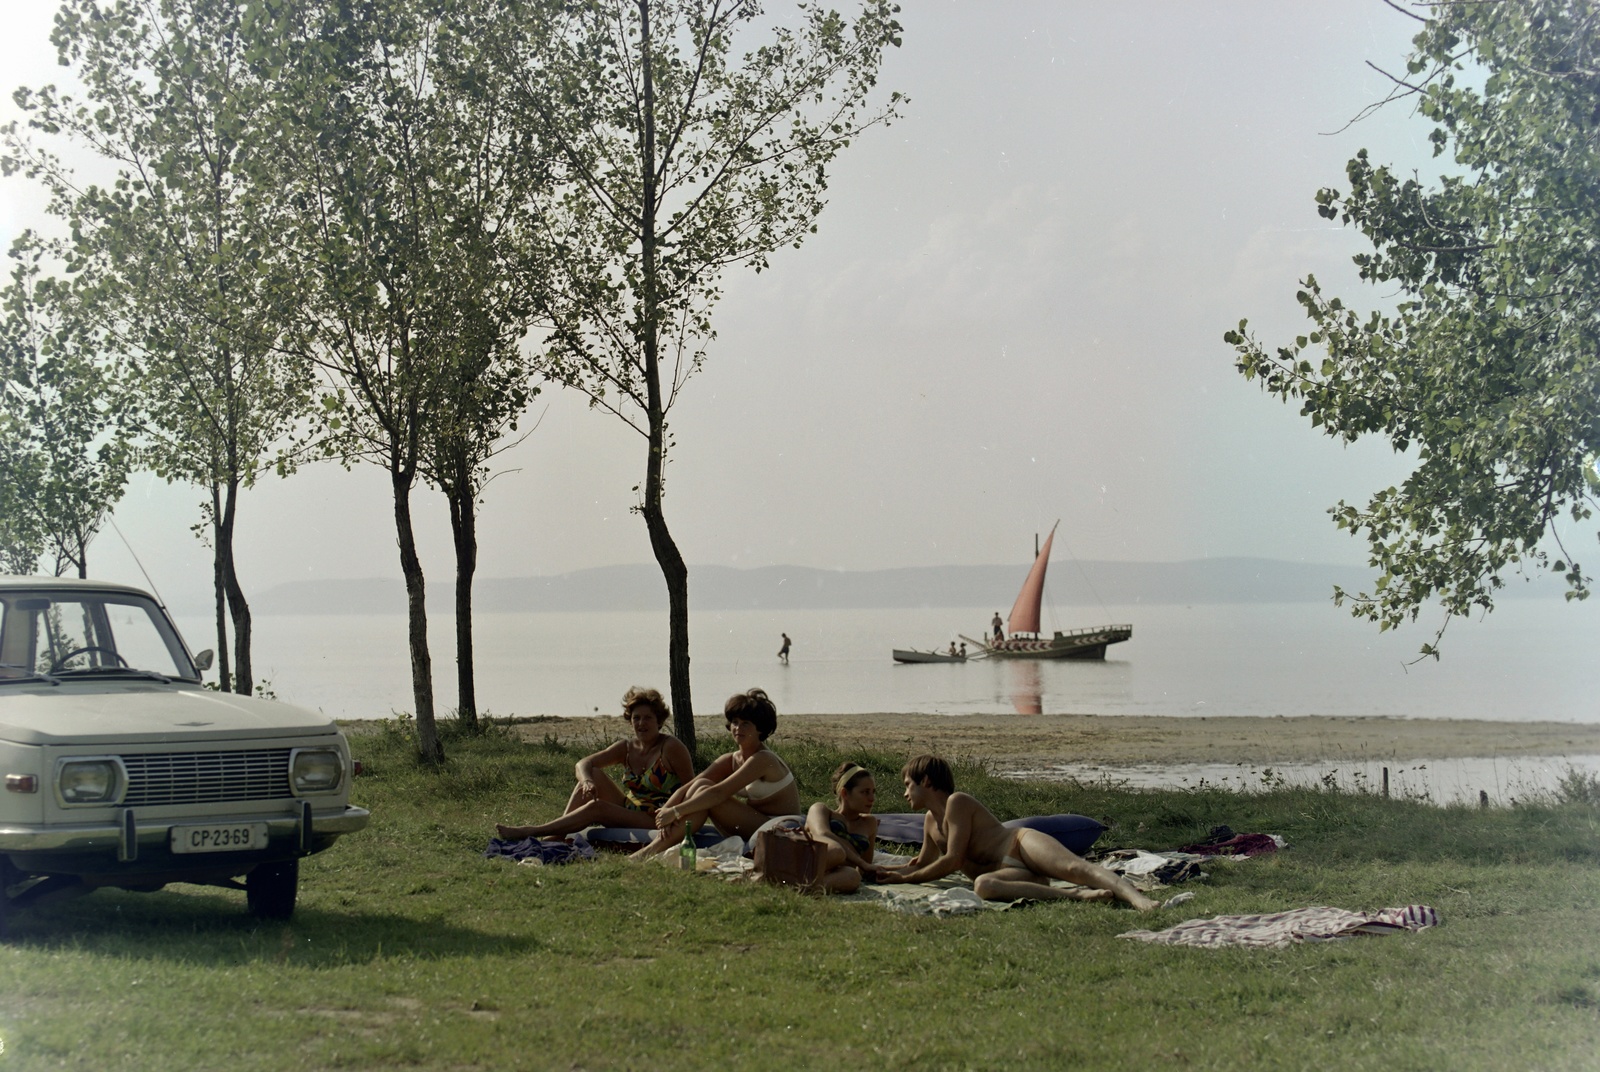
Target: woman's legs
(670, 838)
(605, 805)
(596, 812)
(604, 789)
(837, 876)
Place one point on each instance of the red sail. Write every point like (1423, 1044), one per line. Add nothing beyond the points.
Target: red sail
(1025, 613)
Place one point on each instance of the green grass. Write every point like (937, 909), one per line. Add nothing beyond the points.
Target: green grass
(410, 951)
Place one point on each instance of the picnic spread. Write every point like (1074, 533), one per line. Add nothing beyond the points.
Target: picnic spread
(1149, 870)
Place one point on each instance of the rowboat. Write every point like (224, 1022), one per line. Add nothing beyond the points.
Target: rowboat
(903, 656)
(1025, 641)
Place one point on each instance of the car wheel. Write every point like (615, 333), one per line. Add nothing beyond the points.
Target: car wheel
(270, 889)
(7, 877)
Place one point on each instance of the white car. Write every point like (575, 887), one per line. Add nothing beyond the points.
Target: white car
(121, 769)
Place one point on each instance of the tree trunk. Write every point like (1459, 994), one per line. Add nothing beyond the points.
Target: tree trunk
(219, 585)
(464, 527)
(428, 745)
(661, 542)
(243, 682)
(677, 578)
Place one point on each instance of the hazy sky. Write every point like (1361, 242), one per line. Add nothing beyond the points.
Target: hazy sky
(1012, 313)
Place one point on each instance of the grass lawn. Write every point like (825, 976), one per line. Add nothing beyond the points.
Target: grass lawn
(410, 951)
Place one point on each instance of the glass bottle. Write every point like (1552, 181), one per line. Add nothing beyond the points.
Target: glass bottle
(686, 857)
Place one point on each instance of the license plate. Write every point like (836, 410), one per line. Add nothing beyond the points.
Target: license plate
(219, 837)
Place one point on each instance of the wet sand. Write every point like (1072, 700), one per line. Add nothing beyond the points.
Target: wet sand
(1034, 741)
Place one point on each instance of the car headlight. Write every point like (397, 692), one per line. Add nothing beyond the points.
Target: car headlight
(316, 770)
(89, 781)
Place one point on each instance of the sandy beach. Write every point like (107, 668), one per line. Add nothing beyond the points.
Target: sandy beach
(1032, 741)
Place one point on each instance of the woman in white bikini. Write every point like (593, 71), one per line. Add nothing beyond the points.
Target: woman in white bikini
(740, 790)
(654, 765)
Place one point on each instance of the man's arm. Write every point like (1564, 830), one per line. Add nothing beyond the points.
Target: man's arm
(928, 867)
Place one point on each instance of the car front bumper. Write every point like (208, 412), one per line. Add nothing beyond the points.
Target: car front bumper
(132, 833)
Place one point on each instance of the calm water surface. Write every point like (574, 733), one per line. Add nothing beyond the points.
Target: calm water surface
(1529, 660)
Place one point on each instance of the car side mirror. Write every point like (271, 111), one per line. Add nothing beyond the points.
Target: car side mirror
(202, 662)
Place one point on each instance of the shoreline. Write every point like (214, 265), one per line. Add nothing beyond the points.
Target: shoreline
(1032, 741)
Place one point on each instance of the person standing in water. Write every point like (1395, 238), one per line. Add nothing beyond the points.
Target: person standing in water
(783, 652)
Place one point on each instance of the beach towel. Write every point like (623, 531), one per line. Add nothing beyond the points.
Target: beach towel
(1277, 930)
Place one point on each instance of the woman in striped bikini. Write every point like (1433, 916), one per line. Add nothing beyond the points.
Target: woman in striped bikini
(654, 765)
(849, 832)
(739, 791)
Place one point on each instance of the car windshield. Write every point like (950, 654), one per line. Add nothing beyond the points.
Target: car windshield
(87, 634)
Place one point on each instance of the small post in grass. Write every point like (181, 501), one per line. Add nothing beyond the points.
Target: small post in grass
(1386, 783)
(1483, 798)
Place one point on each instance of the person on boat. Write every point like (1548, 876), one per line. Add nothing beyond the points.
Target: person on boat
(963, 652)
(654, 764)
(848, 831)
(999, 628)
(960, 834)
(740, 790)
(783, 652)
(952, 651)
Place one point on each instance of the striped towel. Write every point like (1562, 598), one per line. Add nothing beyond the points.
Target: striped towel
(1279, 929)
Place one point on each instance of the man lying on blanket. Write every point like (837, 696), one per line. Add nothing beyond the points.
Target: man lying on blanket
(959, 834)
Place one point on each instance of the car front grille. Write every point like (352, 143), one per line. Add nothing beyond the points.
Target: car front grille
(206, 777)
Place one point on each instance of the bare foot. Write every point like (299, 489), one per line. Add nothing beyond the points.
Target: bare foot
(1139, 902)
(514, 833)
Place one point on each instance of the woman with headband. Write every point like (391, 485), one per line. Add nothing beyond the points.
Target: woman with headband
(849, 832)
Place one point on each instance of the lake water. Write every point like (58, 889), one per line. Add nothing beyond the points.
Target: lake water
(1530, 660)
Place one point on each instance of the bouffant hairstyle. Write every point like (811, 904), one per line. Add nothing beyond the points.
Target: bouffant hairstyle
(847, 775)
(756, 708)
(931, 771)
(638, 697)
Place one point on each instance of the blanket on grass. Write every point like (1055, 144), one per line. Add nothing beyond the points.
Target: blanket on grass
(534, 851)
(1276, 930)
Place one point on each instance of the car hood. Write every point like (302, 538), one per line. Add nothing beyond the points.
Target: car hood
(136, 712)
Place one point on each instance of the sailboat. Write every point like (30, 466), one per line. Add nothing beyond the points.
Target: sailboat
(1024, 641)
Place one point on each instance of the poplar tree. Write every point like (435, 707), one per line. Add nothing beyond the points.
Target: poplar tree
(180, 248)
(683, 158)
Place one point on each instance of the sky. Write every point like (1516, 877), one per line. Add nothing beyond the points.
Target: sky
(1012, 313)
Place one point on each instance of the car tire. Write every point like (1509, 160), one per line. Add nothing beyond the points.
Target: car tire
(270, 889)
(7, 877)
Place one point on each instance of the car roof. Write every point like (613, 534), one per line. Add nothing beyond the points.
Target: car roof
(13, 583)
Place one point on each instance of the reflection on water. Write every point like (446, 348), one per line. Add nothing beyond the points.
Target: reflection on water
(1501, 780)
(1024, 681)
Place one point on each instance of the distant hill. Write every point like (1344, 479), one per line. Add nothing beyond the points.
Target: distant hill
(1213, 580)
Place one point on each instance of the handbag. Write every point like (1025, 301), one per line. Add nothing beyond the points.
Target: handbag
(788, 857)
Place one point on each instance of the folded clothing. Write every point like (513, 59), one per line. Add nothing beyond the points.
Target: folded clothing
(1076, 832)
(545, 852)
(1237, 845)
